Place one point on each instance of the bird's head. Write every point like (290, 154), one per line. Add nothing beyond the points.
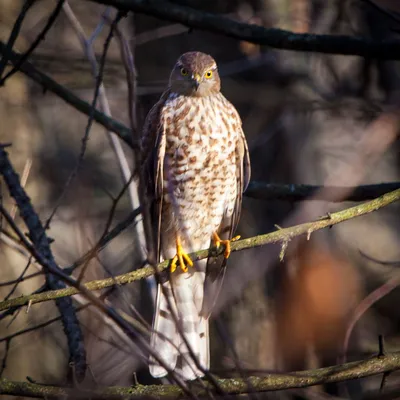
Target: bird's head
(195, 74)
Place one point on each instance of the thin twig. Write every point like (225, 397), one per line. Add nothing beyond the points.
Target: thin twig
(115, 143)
(85, 138)
(131, 75)
(365, 305)
(14, 35)
(52, 18)
(104, 241)
(5, 356)
(21, 279)
(24, 179)
(96, 248)
(83, 106)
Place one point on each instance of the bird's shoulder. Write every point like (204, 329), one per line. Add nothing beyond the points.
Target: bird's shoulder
(231, 109)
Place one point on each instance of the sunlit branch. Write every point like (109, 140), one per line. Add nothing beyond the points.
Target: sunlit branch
(267, 382)
(283, 236)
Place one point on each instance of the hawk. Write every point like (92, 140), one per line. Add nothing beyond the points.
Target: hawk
(196, 166)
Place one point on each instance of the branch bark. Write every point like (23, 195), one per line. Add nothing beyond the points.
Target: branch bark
(275, 38)
(37, 235)
(282, 235)
(268, 382)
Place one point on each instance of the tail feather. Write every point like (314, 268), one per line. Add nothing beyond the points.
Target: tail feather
(164, 333)
(186, 298)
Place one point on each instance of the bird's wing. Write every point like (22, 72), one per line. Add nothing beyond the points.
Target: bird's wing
(216, 265)
(153, 151)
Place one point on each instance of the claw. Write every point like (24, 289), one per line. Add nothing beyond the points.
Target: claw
(226, 243)
(181, 257)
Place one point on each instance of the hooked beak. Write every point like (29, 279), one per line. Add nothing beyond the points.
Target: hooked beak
(196, 81)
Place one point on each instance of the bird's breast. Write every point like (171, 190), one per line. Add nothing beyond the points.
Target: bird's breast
(199, 174)
(200, 139)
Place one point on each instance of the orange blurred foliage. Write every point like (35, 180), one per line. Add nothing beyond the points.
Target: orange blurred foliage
(320, 290)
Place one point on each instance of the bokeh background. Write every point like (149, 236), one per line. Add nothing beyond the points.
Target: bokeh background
(304, 116)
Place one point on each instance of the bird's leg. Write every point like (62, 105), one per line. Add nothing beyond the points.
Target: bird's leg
(181, 256)
(227, 243)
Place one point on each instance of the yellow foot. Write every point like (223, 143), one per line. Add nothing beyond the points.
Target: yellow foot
(182, 257)
(226, 243)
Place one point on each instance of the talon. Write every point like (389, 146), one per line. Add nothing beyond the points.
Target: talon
(226, 243)
(182, 257)
(173, 263)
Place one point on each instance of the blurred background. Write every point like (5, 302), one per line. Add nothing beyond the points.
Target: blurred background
(306, 118)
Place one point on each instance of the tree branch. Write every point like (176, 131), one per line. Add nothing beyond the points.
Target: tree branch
(83, 106)
(14, 35)
(41, 244)
(281, 235)
(268, 382)
(104, 240)
(50, 22)
(275, 38)
(299, 192)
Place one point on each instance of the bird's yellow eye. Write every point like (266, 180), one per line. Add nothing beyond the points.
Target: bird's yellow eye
(184, 71)
(208, 74)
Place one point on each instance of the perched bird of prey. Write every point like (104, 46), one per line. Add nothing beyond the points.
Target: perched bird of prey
(195, 168)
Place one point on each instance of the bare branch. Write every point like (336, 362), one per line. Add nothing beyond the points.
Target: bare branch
(14, 35)
(105, 240)
(275, 38)
(49, 84)
(52, 18)
(41, 244)
(85, 138)
(365, 305)
(299, 192)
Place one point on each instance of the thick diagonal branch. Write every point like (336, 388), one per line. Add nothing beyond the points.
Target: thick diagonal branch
(41, 243)
(281, 235)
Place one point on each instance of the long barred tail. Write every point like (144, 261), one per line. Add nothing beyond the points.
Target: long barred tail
(185, 294)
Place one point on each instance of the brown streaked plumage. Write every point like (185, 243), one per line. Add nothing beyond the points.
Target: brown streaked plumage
(196, 167)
